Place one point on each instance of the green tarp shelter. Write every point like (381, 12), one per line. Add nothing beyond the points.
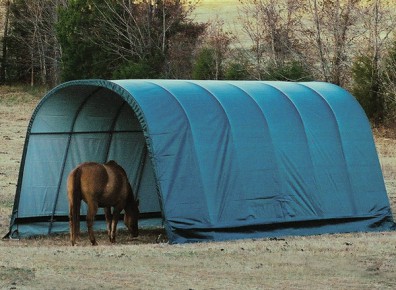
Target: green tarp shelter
(210, 160)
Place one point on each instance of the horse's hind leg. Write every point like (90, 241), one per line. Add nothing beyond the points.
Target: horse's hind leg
(92, 209)
(109, 218)
(116, 216)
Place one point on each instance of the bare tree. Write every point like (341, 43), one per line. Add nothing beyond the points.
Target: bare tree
(34, 32)
(140, 26)
(326, 34)
(379, 22)
(180, 52)
(331, 31)
(271, 27)
(317, 28)
(389, 91)
(250, 18)
(380, 25)
(218, 40)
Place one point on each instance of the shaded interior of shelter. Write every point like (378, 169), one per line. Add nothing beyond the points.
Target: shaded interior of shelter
(90, 124)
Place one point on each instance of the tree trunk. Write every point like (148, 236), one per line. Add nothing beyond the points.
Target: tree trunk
(375, 81)
(319, 42)
(5, 38)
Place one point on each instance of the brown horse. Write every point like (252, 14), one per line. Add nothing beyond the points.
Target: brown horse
(101, 185)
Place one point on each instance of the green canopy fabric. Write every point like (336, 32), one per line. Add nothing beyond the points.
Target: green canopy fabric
(211, 160)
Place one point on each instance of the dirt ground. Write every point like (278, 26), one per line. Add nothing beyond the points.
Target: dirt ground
(342, 261)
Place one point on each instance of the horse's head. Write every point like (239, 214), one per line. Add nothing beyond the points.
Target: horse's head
(131, 217)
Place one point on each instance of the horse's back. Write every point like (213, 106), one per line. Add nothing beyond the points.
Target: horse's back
(104, 183)
(93, 176)
(115, 168)
(118, 180)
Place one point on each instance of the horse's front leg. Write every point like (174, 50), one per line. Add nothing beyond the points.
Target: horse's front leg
(109, 220)
(92, 209)
(116, 216)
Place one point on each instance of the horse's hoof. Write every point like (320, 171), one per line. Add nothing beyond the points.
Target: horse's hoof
(94, 243)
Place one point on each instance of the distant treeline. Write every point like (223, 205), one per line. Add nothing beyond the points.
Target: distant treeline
(350, 43)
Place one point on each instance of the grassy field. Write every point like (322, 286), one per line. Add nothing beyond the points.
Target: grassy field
(227, 10)
(341, 261)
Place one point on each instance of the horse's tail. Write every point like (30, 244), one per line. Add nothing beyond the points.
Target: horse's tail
(74, 195)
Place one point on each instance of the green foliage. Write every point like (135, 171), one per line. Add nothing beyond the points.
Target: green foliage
(137, 70)
(82, 57)
(236, 71)
(362, 72)
(121, 39)
(374, 86)
(204, 67)
(292, 71)
(389, 90)
(367, 87)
